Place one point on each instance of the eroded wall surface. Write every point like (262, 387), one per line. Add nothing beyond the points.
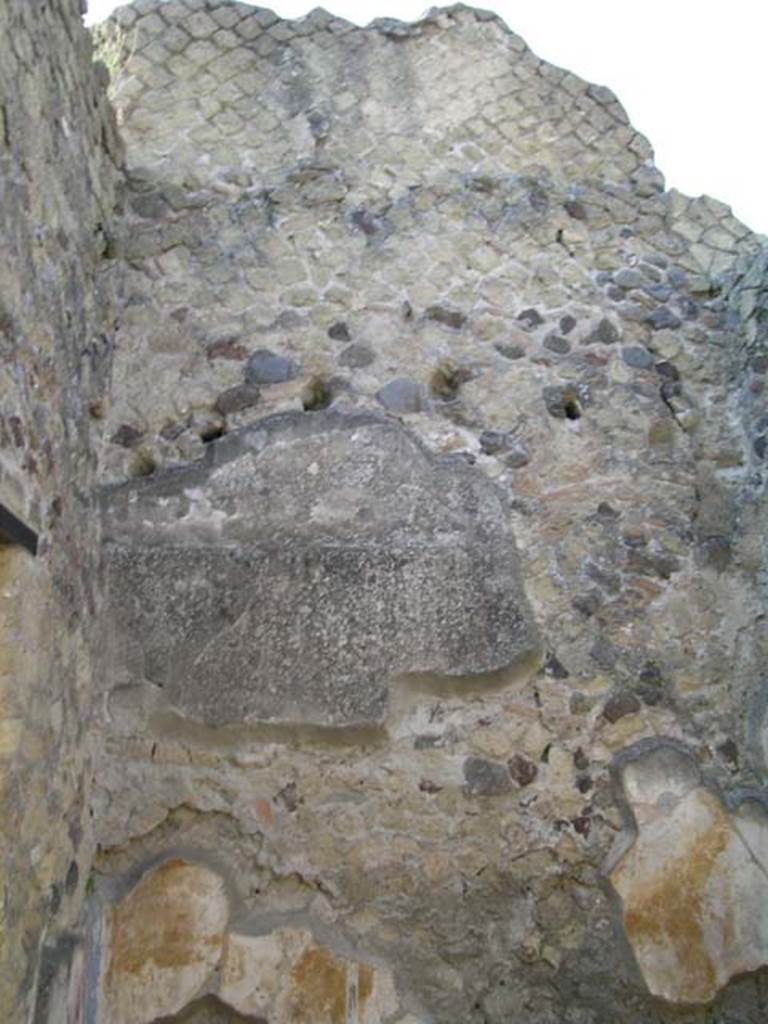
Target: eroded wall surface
(429, 669)
(58, 155)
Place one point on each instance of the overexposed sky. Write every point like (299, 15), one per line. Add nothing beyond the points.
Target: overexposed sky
(690, 73)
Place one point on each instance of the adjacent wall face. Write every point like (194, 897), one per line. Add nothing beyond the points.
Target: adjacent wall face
(57, 168)
(411, 669)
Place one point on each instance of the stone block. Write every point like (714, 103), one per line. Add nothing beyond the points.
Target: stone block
(306, 563)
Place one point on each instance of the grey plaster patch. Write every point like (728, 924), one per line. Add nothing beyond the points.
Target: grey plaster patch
(305, 563)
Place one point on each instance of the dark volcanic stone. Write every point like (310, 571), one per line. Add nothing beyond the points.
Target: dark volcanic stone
(637, 357)
(575, 209)
(530, 318)
(227, 348)
(339, 331)
(557, 344)
(729, 751)
(660, 292)
(646, 563)
(493, 441)
(266, 367)
(509, 351)
(127, 436)
(367, 222)
(448, 317)
(650, 685)
(677, 278)
(567, 323)
(522, 770)
(663, 319)
(486, 778)
(605, 334)
(554, 667)
(619, 705)
(242, 396)
(687, 308)
(667, 370)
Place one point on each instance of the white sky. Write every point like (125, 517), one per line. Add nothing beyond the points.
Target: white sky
(690, 73)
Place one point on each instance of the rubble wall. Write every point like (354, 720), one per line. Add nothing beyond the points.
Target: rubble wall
(402, 546)
(58, 168)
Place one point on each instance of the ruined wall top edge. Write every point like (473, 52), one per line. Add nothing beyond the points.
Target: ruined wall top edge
(215, 91)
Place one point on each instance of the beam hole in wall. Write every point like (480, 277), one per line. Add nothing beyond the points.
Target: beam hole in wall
(571, 408)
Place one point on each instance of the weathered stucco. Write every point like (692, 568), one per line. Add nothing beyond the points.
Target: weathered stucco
(394, 652)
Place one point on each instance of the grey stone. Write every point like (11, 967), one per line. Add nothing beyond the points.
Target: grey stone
(686, 307)
(530, 318)
(283, 578)
(587, 603)
(266, 367)
(650, 687)
(628, 278)
(637, 357)
(493, 441)
(237, 398)
(555, 343)
(567, 323)
(660, 292)
(486, 778)
(677, 278)
(518, 457)
(604, 334)
(509, 351)
(402, 395)
(357, 356)
(632, 311)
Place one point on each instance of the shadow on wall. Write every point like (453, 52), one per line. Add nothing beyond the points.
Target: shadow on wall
(209, 1011)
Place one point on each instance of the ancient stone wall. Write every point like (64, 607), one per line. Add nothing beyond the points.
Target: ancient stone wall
(428, 624)
(58, 157)
(426, 225)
